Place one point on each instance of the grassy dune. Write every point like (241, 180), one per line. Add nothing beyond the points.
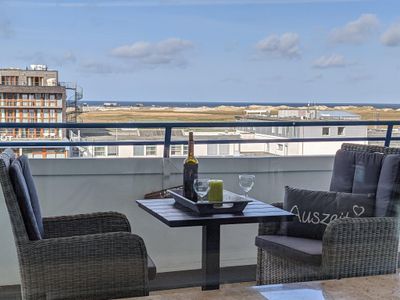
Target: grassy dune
(152, 114)
(222, 113)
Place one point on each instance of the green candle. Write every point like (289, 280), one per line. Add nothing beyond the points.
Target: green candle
(216, 193)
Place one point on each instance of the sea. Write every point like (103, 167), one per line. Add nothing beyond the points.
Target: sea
(234, 103)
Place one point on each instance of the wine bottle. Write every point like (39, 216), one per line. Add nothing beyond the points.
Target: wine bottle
(190, 171)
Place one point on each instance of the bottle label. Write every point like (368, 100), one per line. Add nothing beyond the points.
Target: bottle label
(190, 172)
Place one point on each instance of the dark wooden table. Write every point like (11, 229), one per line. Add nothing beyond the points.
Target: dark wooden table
(177, 216)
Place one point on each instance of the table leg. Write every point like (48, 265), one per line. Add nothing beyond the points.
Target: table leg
(210, 257)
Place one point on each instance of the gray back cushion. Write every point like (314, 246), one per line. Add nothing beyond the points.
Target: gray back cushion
(366, 172)
(32, 191)
(24, 200)
(343, 171)
(388, 192)
(369, 173)
(356, 172)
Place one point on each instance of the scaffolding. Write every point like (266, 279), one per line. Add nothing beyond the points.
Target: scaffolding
(74, 95)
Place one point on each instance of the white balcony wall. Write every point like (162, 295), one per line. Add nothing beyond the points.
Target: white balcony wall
(71, 186)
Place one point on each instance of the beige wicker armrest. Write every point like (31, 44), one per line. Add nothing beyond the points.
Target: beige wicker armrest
(360, 246)
(83, 224)
(99, 262)
(269, 228)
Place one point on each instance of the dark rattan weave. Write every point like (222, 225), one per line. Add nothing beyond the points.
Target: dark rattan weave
(93, 256)
(351, 247)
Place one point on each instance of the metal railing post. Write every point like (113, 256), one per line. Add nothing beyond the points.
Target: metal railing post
(167, 141)
(388, 138)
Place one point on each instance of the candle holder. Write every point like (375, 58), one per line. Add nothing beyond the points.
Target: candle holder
(216, 192)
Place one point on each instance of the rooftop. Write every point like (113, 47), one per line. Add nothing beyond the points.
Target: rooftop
(336, 113)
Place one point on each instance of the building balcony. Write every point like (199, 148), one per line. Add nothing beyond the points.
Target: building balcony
(72, 186)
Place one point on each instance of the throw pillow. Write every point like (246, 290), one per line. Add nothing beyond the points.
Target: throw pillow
(314, 210)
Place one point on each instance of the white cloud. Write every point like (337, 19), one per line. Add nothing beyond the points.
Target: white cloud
(99, 67)
(286, 45)
(357, 31)
(391, 37)
(166, 52)
(58, 60)
(330, 61)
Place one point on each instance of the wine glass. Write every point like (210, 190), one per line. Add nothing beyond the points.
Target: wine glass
(246, 183)
(201, 187)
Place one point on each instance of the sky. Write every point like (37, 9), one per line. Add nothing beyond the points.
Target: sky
(211, 50)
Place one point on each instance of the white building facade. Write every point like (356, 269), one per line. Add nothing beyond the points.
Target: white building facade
(242, 149)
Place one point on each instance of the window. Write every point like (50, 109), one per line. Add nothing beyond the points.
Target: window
(31, 133)
(138, 150)
(340, 131)
(280, 147)
(35, 81)
(151, 150)
(99, 151)
(212, 149)
(224, 149)
(112, 150)
(176, 150)
(325, 130)
(9, 80)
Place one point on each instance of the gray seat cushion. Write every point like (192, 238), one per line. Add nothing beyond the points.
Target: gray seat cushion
(152, 270)
(308, 251)
(388, 192)
(32, 192)
(24, 201)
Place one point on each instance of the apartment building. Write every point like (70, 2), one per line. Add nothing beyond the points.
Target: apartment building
(234, 149)
(316, 132)
(315, 114)
(150, 135)
(32, 95)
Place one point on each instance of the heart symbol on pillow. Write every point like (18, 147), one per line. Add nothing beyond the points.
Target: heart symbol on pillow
(358, 210)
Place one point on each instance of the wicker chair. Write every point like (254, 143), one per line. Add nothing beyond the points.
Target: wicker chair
(91, 256)
(350, 247)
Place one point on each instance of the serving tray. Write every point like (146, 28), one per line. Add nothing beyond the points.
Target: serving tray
(232, 203)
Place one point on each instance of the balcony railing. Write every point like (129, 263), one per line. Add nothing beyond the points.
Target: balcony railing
(169, 126)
